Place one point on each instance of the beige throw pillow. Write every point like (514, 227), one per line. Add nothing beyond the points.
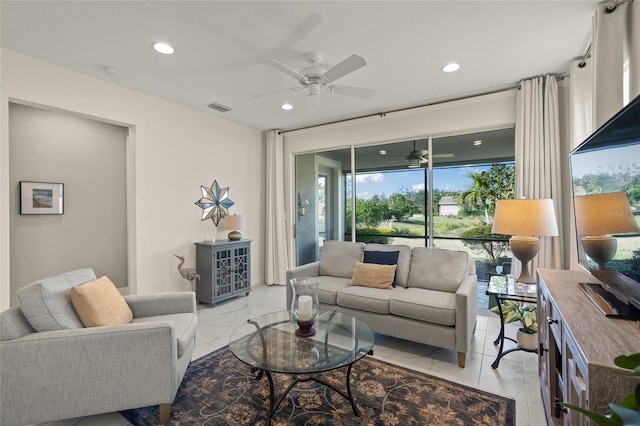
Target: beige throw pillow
(373, 275)
(99, 303)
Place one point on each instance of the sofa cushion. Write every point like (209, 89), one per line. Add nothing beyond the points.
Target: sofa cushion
(47, 303)
(373, 275)
(404, 259)
(329, 287)
(184, 327)
(382, 258)
(438, 307)
(13, 324)
(368, 299)
(437, 269)
(99, 303)
(338, 258)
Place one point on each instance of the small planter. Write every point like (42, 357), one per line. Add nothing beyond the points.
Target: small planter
(527, 340)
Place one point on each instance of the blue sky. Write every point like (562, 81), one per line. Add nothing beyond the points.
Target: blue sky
(387, 183)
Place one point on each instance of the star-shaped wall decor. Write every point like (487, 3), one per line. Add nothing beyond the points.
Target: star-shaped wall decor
(215, 202)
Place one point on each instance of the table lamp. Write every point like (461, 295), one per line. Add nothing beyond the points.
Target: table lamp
(525, 220)
(599, 215)
(233, 223)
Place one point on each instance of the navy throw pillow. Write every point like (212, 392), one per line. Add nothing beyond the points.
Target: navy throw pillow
(382, 258)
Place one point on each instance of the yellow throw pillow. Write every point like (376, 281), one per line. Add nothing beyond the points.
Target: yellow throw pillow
(100, 303)
(373, 275)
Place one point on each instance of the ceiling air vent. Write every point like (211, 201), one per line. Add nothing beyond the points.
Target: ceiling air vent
(219, 107)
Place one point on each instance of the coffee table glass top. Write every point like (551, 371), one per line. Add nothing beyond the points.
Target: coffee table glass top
(269, 343)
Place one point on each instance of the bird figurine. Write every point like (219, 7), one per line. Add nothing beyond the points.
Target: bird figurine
(187, 273)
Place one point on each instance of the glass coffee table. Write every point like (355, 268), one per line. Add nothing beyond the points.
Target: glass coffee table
(268, 344)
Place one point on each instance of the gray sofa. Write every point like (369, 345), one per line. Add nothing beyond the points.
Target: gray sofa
(434, 301)
(67, 371)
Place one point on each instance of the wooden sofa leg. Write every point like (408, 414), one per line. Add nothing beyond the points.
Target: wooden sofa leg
(461, 358)
(165, 413)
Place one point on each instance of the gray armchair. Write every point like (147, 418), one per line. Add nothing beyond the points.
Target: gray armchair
(74, 371)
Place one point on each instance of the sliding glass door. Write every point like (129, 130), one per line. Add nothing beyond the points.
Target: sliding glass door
(427, 192)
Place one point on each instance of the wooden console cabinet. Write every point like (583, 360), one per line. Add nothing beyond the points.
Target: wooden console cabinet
(225, 270)
(577, 346)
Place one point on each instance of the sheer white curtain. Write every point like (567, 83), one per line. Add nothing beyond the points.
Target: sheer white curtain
(276, 260)
(538, 156)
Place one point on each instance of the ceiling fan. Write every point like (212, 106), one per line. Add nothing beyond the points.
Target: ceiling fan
(316, 78)
(417, 158)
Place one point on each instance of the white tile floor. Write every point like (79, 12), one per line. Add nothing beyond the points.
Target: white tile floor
(516, 377)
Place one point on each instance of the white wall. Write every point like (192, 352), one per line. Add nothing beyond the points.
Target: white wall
(171, 151)
(89, 158)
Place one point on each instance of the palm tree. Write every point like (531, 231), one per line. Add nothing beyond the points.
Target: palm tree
(496, 183)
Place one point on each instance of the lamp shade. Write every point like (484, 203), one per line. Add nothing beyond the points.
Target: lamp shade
(602, 214)
(536, 218)
(235, 222)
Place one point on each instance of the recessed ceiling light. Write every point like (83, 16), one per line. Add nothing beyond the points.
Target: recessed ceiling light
(451, 67)
(383, 152)
(477, 143)
(163, 48)
(286, 107)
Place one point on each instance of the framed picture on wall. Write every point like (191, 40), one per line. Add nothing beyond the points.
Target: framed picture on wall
(41, 198)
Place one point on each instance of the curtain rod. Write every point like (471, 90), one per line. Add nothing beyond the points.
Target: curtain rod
(382, 114)
(583, 62)
(500, 89)
(610, 8)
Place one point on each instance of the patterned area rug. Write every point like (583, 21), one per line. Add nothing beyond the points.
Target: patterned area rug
(220, 390)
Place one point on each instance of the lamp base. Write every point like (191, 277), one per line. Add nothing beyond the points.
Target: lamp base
(234, 236)
(600, 248)
(524, 249)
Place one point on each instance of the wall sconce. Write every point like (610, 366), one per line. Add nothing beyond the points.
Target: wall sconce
(599, 215)
(301, 208)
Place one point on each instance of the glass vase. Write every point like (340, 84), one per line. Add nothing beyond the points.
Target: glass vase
(304, 304)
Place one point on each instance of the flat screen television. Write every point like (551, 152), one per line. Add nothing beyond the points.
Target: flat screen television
(605, 167)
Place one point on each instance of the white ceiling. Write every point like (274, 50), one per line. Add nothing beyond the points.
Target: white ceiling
(220, 45)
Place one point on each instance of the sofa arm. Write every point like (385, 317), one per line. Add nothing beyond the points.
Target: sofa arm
(73, 373)
(466, 311)
(149, 305)
(309, 270)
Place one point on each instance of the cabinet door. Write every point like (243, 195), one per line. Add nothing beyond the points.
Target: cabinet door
(550, 359)
(223, 267)
(241, 270)
(575, 390)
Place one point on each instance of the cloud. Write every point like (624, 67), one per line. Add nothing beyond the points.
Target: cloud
(417, 187)
(370, 178)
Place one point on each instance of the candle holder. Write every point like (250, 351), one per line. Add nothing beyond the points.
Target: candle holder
(304, 304)
(305, 328)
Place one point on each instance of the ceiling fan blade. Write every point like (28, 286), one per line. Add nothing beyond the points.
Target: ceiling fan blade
(345, 67)
(357, 92)
(285, 69)
(275, 92)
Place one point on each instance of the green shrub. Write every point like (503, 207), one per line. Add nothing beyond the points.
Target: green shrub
(493, 248)
(372, 235)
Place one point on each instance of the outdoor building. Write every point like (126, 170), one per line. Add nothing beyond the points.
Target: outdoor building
(448, 206)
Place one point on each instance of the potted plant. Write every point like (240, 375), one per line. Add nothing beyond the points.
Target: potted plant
(512, 311)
